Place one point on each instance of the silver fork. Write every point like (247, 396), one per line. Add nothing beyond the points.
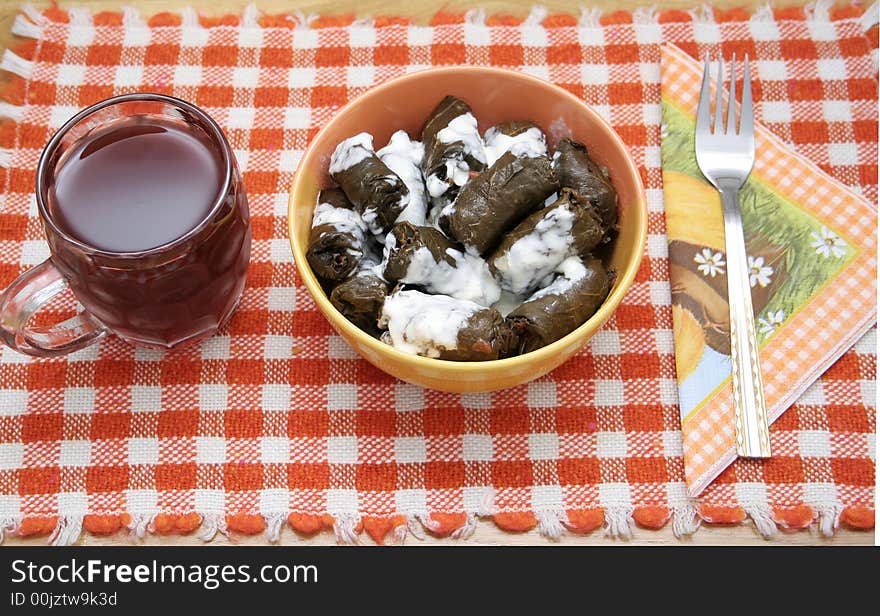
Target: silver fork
(726, 157)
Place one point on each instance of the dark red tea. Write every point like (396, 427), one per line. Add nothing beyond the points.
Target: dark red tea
(153, 185)
(136, 185)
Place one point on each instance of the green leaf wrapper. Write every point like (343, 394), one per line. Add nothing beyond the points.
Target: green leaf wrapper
(333, 255)
(497, 199)
(360, 300)
(548, 317)
(576, 170)
(408, 238)
(376, 191)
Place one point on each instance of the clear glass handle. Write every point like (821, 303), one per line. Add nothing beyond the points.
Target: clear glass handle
(24, 298)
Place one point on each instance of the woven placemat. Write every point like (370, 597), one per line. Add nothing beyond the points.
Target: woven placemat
(276, 421)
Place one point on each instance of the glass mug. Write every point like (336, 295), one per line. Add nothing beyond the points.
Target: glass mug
(167, 268)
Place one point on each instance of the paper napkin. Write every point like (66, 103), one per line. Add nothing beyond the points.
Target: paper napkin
(811, 246)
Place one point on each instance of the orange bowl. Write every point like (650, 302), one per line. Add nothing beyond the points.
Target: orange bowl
(494, 95)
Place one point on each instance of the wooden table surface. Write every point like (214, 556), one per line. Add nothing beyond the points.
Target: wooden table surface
(421, 12)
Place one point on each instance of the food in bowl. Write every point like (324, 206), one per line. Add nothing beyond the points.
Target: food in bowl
(462, 246)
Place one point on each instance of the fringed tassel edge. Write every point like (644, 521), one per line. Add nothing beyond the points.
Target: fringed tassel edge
(553, 524)
(617, 523)
(67, 530)
(31, 21)
(17, 62)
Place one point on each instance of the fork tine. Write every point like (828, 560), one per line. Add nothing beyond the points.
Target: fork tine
(719, 102)
(704, 116)
(731, 99)
(747, 111)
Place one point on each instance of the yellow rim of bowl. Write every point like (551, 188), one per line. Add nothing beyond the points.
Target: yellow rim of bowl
(621, 286)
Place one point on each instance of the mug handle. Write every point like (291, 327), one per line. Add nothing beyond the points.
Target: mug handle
(24, 298)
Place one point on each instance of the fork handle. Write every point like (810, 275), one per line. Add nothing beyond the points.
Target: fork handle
(752, 427)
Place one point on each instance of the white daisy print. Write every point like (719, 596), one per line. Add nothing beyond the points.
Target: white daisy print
(768, 324)
(759, 274)
(828, 243)
(710, 263)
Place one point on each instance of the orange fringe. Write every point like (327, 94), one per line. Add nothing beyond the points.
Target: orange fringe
(105, 524)
(223, 20)
(795, 518)
(503, 20)
(246, 523)
(580, 521)
(391, 20)
(277, 21)
(560, 20)
(653, 518)
(37, 527)
(859, 518)
(306, 524)
(333, 21)
(378, 528)
(615, 18)
(444, 524)
(673, 16)
(515, 522)
(713, 514)
(108, 18)
(172, 524)
(739, 14)
(164, 19)
(443, 18)
(585, 521)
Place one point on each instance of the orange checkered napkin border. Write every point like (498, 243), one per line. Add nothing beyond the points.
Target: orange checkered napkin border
(277, 423)
(829, 324)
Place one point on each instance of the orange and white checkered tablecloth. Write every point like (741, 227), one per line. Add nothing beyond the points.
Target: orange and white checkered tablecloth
(276, 421)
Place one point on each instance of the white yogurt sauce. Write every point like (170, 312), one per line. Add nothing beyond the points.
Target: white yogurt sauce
(457, 172)
(462, 128)
(350, 152)
(390, 243)
(371, 218)
(435, 186)
(424, 324)
(404, 157)
(570, 271)
(371, 263)
(438, 204)
(446, 211)
(507, 303)
(341, 219)
(530, 143)
(531, 258)
(469, 279)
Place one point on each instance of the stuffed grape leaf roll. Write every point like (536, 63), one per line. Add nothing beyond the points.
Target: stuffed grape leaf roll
(576, 170)
(578, 289)
(404, 157)
(497, 199)
(377, 191)
(337, 238)
(453, 147)
(423, 256)
(443, 327)
(360, 298)
(529, 254)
